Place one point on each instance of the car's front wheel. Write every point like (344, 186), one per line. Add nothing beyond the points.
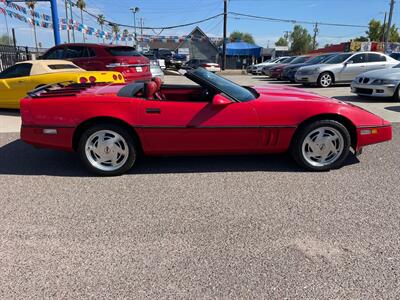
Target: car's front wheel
(107, 150)
(325, 80)
(321, 145)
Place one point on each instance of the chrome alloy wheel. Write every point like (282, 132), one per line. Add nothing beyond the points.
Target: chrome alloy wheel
(322, 146)
(326, 80)
(106, 150)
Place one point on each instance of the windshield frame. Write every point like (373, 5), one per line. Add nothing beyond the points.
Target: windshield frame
(192, 75)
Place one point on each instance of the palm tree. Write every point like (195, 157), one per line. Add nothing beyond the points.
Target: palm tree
(125, 33)
(101, 20)
(115, 30)
(81, 4)
(31, 6)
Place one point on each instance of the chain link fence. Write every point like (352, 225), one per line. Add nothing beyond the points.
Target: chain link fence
(9, 55)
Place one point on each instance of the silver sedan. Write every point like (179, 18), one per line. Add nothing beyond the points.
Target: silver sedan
(343, 68)
(379, 83)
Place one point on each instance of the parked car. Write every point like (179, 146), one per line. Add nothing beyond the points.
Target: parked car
(17, 80)
(178, 60)
(111, 126)
(257, 69)
(152, 56)
(290, 70)
(155, 68)
(266, 69)
(343, 68)
(94, 57)
(277, 71)
(378, 83)
(195, 63)
(165, 54)
(395, 55)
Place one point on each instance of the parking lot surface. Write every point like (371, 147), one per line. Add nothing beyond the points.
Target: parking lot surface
(199, 227)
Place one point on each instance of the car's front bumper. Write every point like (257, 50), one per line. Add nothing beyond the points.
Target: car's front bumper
(368, 135)
(387, 90)
(306, 78)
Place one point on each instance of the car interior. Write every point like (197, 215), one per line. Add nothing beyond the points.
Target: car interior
(155, 90)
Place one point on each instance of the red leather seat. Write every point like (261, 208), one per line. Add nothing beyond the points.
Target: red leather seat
(151, 89)
(159, 95)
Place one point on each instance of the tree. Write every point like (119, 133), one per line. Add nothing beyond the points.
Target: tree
(31, 5)
(375, 30)
(281, 42)
(237, 36)
(115, 30)
(301, 40)
(81, 4)
(6, 40)
(361, 39)
(394, 36)
(101, 20)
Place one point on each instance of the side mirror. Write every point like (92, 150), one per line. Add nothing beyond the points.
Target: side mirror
(348, 62)
(220, 100)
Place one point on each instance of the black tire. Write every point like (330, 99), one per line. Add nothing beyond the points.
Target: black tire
(322, 79)
(297, 145)
(129, 140)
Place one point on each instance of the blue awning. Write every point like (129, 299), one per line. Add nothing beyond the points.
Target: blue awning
(243, 49)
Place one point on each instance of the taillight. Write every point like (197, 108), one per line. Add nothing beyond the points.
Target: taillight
(119, 76)
(82, 80)
(206, 65)
(92, 79)
(115, 77)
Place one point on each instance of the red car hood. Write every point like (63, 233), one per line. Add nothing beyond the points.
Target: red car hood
(290, 93)
(317, 103)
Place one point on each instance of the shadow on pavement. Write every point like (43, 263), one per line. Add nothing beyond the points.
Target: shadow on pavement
(393, 108)
(18, 158)
(9, 112)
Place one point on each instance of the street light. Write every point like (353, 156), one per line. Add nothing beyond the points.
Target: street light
(134, 11)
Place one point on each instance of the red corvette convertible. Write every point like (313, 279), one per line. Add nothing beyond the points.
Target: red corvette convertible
(111, 125)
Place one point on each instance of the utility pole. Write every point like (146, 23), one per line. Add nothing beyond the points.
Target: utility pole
(141, 28)
(223, 65)
(384, 28)
(314, 44)
(66, 17)
(134, 11)
(389, 24)
(72, 18)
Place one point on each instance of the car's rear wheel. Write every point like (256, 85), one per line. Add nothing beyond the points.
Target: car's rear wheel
(325, 80)
(321, 145)
(107, 150)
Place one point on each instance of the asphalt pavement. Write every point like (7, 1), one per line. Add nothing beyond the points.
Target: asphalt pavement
(247, 227)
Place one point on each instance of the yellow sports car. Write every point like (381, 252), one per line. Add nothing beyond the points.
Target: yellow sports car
(25, 76)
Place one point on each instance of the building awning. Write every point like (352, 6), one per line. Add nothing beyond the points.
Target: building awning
(243, 49)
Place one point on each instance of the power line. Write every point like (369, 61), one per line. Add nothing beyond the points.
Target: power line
(296, 21)
(156, 28)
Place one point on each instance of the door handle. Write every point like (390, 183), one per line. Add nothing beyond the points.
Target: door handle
(153, 110)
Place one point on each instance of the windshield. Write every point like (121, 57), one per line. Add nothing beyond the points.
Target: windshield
(337, 59)
(300, 60)
(223, 85)
(123, 51)
(319, 59)
(288, 60)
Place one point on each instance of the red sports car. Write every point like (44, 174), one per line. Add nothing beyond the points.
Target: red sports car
(111, 125)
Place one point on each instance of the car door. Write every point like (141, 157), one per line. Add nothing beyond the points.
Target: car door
(14, 84)
(355, 65)
(376, 61)
(190, 127)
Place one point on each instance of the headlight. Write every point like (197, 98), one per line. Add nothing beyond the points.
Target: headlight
(383, 81)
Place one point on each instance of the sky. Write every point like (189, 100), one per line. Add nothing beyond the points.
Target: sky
(158, 13)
